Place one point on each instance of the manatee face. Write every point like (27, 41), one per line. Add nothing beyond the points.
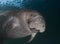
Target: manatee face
(23, 24)
(37, 23)
(34, 19)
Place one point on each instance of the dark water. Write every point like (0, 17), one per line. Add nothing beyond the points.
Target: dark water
(50, 11)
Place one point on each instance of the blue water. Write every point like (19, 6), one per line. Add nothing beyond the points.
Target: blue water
(19, 4)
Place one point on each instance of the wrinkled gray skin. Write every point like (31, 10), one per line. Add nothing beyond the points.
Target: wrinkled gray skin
(24, 23)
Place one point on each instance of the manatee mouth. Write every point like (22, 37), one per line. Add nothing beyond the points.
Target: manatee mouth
(34, 30)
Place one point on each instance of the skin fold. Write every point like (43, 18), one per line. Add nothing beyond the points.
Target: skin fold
(23, 23)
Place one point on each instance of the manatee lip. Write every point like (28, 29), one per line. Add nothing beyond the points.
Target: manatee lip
(34, 30)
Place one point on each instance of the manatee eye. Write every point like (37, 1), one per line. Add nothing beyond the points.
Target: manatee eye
(43, 26)
(28, 22)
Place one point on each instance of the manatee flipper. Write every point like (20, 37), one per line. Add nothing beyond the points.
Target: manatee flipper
(32, 37)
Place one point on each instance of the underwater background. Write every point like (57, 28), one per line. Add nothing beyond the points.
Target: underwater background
(48, 8)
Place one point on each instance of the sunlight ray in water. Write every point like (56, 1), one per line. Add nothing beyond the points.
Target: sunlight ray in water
(16, 3)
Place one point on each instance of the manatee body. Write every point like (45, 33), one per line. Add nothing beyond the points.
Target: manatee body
(23, 23)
